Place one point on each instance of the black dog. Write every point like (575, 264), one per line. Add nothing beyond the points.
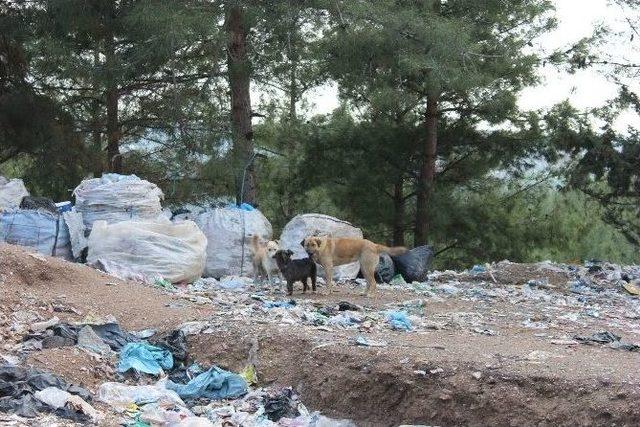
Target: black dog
(296, 270)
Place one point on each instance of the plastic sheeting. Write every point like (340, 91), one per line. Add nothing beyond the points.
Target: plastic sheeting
(414, 265)
(11, 193)
(114, 198)
(226, 230)
(44, 231)
(146, 358)
(305, 225)
(215, 383)
(152, 249)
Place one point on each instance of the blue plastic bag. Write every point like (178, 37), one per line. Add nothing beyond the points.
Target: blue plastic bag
(145, 358)
(47, 233)
(399, 320)
(215, 383)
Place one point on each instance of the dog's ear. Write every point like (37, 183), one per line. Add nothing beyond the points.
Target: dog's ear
(302, 243)
(289, 252)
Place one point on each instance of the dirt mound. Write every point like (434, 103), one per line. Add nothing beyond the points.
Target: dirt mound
(72, 291)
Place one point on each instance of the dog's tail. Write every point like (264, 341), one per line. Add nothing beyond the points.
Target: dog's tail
(255, 239)
(394, 251)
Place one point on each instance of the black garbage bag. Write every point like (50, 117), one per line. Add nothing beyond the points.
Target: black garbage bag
(384, 271)
(414, 265)
(281, 404)
(34, 203)
(176, 343)
(18, 385)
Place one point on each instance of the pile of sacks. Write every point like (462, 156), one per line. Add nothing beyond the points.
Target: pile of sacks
(49, 228)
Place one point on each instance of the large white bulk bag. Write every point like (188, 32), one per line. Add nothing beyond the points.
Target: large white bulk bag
(44, 231)
(305, 225)
(151, 249)
(114, 198)
(11, 193)
(226, 229)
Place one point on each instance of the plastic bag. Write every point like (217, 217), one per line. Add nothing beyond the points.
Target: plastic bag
(11, 193)
(120, 395)
(144, 358)
(176, 252)
(302, 226)
(114, 198)
(46, 232)
(227, 230)
(415, 264)
(215, 383)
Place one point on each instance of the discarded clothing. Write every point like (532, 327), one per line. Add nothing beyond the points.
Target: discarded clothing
(610, 338)
(399, 320)
(215, 383)
(145, 358)
(19, 384)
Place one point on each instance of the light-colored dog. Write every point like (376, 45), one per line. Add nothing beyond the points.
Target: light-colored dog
(330, 252)
(264, 265)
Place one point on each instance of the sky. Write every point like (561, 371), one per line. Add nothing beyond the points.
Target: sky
(585, 89)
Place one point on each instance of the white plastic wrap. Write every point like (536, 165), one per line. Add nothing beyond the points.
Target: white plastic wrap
(152, 249)
(11, 193)
(225, 229)
(305, 225)
(114, 198)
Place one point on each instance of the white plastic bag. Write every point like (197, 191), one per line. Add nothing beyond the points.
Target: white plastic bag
(226, 230)
(11, 193)
(114, 198)
(305, 225)
(153, 249)
(119, 395)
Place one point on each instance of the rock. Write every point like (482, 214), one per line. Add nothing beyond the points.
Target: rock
(41, 326)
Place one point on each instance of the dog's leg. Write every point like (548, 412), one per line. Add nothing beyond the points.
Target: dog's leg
(369, 272)
(305, 285)
(328, 269)
(313, 282)
(289, 287)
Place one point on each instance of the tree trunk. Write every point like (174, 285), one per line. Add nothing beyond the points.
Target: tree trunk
(239, 70)
(96, 125)
(293, 92)
(427, 171)
(398, 213)
(114, 159)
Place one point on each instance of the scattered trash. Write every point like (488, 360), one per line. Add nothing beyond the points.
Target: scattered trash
(399, 320)
(89, 340)
(215, 383)
(120, 396)
(144, 357)
(632, 288)
(249, 374)
(281, 404)
(347, 306)
(363, 341)
(397, 280)
(610, 338)
(485, 331)
(279, 304)
(477, 269)
(414, 265)
(41, 326)
(18, 386)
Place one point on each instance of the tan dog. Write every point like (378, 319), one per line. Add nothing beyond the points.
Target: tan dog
(330, 252)
(263, 263)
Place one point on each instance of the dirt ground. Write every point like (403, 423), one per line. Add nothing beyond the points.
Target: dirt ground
(444, 372)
